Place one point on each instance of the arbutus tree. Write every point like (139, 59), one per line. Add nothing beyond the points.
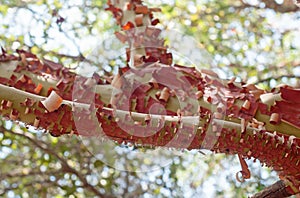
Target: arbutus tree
(153, 102)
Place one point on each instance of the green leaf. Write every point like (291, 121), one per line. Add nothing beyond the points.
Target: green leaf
(3, 9)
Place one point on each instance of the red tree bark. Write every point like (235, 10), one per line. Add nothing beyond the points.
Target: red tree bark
(188, 108)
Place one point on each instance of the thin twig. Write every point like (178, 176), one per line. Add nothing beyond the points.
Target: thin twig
(64, 163)
(277, 78)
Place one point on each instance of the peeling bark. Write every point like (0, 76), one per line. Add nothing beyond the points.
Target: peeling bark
(276, 190)
(200, 110)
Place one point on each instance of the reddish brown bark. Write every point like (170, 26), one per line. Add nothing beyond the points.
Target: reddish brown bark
(221, 116)
(276, 190)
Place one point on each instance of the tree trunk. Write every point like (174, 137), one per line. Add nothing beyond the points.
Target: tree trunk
(166, 105)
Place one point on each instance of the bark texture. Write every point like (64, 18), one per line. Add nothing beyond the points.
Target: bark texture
(155, 103)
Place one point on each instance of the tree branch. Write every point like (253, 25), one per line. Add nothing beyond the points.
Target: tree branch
(278, 78)
(65, 166)
(285, 7)
(255, 124)
(276, 190)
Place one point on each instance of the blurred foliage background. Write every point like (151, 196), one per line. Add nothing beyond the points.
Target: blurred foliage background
(256, 41)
